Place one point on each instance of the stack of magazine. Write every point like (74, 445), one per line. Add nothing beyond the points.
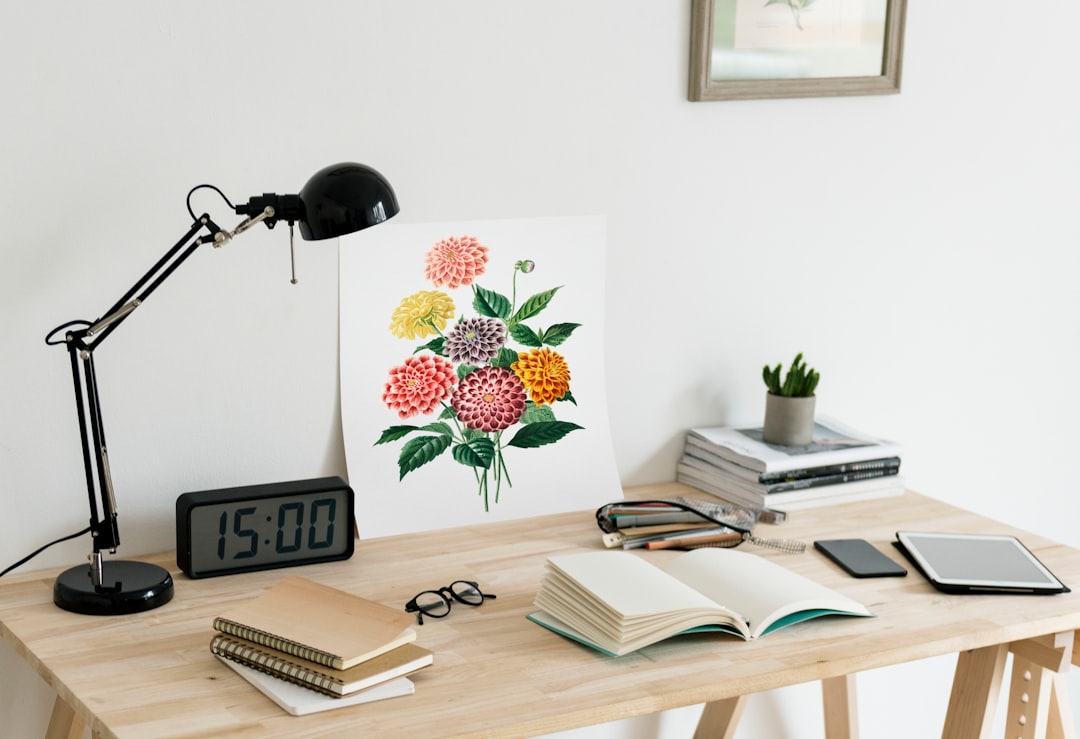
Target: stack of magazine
(839, 465)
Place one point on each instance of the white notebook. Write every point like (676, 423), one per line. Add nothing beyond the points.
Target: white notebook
(301, 701)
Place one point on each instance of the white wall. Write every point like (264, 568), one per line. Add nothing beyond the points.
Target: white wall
(921, 248)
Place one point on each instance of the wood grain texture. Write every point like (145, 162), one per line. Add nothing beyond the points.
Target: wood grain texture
(841, 707)
(495, 673)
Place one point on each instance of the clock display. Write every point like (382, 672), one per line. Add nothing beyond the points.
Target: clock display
(263, 526)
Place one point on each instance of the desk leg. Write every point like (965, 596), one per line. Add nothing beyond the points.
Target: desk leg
(841, 707)
(1029, 700)
(1038, 702)
(976, 685)
(720, 719)
(1061, 724)
(64, 723)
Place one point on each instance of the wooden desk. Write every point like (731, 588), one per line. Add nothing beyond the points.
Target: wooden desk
(496, 674)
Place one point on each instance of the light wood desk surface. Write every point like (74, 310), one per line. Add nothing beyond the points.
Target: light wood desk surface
(495, 673)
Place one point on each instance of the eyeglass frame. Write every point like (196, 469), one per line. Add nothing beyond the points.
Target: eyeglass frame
(413, 607)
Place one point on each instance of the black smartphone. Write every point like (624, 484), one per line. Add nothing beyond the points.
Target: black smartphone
(859, 558)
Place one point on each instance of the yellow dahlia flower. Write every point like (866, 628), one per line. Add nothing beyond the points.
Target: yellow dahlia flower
(424, 313)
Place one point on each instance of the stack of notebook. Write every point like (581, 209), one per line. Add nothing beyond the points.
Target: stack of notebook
(310, 647)
(838, 465)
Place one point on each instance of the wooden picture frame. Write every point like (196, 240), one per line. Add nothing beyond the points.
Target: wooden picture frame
(795, 48)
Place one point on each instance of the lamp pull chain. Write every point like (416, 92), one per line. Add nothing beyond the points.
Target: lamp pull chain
(292, 254)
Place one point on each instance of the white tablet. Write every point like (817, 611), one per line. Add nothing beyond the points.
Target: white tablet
(974, 563)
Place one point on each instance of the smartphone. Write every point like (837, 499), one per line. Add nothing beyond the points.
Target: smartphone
(859, 558)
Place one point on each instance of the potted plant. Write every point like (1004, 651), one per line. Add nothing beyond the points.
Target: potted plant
(789, 405)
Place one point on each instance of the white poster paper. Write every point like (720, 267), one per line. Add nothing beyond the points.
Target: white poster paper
(472, 373)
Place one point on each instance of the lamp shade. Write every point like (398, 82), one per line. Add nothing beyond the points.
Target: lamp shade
(343, 198)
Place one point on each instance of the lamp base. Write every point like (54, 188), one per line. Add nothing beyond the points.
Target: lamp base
(127, 587)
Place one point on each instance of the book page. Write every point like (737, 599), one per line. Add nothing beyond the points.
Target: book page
(629, 585)
(759, 589)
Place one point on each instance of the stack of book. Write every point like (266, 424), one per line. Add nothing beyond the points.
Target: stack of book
(838, 465)
(310, 647)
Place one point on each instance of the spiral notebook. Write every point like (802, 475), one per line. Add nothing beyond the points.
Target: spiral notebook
(319, 623)
(300, 701)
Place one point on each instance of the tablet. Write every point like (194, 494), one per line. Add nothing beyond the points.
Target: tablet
(977, 563)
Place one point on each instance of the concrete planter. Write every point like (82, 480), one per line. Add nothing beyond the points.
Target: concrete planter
(788, 421)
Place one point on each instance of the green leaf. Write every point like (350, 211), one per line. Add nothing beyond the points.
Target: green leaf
(539, 434)
(439, 428)
(533, 305)
(505, 358)
(537, 414)
(393, 433)
(419, 451)
(490, 303)
(464, 369)
(772, 379)
(524, 335)
(477, 453)
(559, 333)
(435, 346)
(448, 413)
(567, 396)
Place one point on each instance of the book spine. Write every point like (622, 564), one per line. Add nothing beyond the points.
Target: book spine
(253, 657)
(836, 479)
(887, 463)
(274, 642)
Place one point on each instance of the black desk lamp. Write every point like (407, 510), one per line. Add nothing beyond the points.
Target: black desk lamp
(337, 200)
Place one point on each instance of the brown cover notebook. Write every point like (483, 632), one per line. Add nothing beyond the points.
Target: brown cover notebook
(398, 662)
(318, 623)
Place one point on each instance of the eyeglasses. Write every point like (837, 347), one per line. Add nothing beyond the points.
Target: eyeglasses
(434, 603)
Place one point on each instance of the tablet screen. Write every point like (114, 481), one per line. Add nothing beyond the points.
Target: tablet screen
(978, 561)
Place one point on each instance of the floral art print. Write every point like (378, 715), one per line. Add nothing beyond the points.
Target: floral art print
(472, 378)
(487, 378)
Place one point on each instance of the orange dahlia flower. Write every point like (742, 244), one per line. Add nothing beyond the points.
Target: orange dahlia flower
(544, 374)
(455, 261)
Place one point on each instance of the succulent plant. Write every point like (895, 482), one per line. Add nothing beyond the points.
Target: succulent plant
(800, 381)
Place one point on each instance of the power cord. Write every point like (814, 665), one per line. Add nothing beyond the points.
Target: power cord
(30, 556)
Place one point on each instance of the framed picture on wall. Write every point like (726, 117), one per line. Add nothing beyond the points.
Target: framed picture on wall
(746, 49)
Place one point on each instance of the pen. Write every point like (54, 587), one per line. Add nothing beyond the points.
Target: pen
(648, 519)
(689, 541)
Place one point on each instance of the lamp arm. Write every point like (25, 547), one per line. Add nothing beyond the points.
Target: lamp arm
(81, 339)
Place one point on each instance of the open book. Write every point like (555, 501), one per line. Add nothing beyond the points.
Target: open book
(617, 602)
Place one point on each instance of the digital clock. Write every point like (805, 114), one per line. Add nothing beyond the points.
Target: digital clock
(260, 527)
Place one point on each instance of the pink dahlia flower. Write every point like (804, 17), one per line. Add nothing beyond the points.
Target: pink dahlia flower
(418, 385)
(455, 261)
(489, 399)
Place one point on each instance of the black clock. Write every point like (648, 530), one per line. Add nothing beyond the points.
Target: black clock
(260, 527)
